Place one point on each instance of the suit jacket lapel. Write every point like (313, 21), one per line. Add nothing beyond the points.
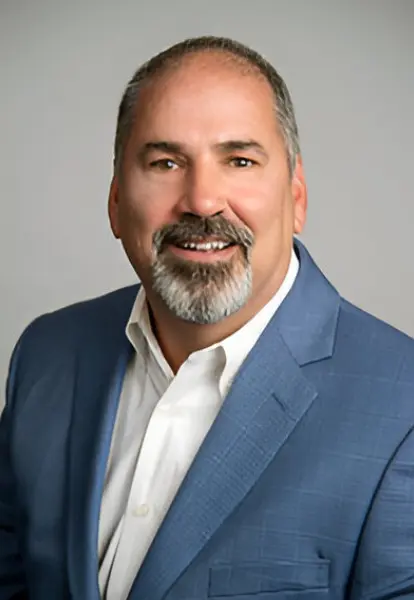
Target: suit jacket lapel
(260, 412)
(100, 371)
(268, 398)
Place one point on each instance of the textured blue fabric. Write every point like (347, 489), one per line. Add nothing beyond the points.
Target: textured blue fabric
(303, 488)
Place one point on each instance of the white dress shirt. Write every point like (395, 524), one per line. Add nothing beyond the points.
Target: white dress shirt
(161, 423)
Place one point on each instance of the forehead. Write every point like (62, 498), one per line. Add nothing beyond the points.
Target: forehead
(209, 92)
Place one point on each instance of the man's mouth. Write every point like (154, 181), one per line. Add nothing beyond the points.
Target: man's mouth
(203, 251)
(204, 246)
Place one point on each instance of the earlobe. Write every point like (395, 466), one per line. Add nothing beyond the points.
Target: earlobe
(113, 207)
(300, 196)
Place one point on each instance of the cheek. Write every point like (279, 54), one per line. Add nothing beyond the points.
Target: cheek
(148, 203)
(259, 206)
(141, 216)
(136, 229)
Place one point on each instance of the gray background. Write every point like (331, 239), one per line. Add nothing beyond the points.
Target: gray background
(349, 66)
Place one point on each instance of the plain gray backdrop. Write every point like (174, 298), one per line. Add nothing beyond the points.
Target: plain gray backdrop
(349, 65)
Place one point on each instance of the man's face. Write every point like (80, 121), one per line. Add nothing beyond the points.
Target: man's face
(203, 201)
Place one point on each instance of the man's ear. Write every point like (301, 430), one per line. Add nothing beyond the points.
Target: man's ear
(300, 196)
(113, 208)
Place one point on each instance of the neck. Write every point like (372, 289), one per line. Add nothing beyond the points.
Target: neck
(178, 338)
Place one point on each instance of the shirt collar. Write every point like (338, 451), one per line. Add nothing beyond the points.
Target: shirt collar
(233, 349)
(139, 331)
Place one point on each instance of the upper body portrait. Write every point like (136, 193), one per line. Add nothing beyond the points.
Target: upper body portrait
(231, 426)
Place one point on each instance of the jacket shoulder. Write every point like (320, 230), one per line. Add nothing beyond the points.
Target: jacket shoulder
(103, 309)
(54, 335)
(365, 342)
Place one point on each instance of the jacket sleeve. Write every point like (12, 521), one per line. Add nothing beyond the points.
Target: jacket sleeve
(12, 579)
(384, 568)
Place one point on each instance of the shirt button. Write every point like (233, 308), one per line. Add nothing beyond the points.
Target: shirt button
(142, 510)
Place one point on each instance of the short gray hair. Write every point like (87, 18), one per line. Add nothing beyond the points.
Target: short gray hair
(173, 55)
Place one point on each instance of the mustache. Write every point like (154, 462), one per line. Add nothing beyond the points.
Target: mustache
(199, 229)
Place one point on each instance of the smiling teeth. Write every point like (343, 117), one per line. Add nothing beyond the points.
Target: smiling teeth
(206, 246)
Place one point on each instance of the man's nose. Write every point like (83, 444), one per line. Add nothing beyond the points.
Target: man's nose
(204, 191)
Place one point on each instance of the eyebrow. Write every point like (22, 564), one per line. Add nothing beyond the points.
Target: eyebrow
(161, 146)
(224, 147)
(240, 145)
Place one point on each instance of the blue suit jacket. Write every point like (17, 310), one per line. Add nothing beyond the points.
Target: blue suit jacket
(303, 488)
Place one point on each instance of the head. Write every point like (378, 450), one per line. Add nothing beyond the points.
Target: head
(208, 187)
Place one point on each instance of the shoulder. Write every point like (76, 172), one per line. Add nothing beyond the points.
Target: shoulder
(365, 329)
(110, 307)
(367, 346)
(97, 319)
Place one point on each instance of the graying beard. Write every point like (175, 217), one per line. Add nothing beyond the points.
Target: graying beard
(202, 293)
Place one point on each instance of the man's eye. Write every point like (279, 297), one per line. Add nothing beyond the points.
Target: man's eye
(164, 164)
(241, 162)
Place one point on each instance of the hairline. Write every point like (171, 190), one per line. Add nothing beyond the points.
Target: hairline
(244, 57)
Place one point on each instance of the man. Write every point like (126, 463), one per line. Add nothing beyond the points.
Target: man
(233, 428)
